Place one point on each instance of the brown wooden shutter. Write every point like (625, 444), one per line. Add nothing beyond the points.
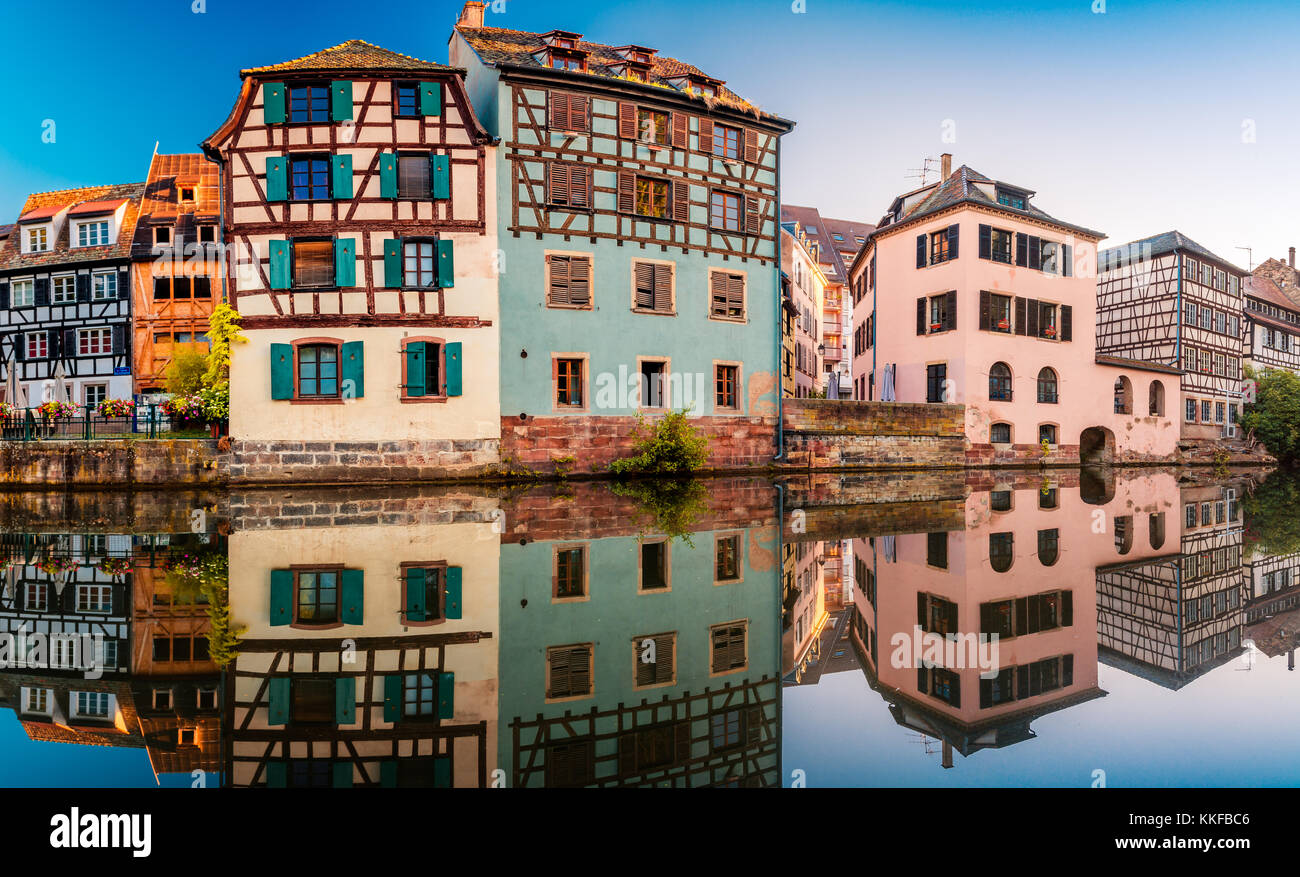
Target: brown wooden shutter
(579, 280)
(579, 112)
(735, 296)
(627, 753)
(1021, 318)
(663, 287)
(754, 726)
(753, 222)
(751, 146)
(951, 309)
(681, 131)
(626, 191)
(579, 185)
(1031, 324)
(706, 135)
(559, 193)
(1067, 323)
(681, 201)
(627, 121)
(645, 281)
(558, 288)
(559, 107)
(682, 742)
(921, 315)
(986, 309)
(718, 294)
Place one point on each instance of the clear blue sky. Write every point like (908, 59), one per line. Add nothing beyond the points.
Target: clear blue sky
(1129, 121)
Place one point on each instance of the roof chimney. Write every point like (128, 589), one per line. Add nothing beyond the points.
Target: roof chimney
(945, 165)
(1291, 260)
(472, 14)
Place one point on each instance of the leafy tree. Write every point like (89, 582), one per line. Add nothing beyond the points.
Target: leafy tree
(184, 374)
(1270, 512)
(1274, 417)
(223, 333)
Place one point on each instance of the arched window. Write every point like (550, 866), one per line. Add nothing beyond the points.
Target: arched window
(1123, 525)
(1047, 386)
(1001, 551)
(1156, 529)
(1000, 434)
(1049, 549)
(1157, 397)
(1000, 382)
(1123, 396)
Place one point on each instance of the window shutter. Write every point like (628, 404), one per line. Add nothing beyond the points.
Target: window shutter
(388, 175)
(281, 588)
(952, 241)
(280, 274)
(4, 296)
(1067, 265)
(645, 297)
(1067, 323)
(392, 698)
(69, 343)
(345, 703)
(735, 296)
(277, 178)
(41, 292)
(955, 682)
(431, 98)
(1036, 253)
(557, 290)
(682, 742)
(951, 308)
(341, 774)
(1067, 609)
(341, 184)
(119, 339)
(681, 131)
(922, 679)
(558, 111)
(753, 222)
(1067, 670)
(273, 102)
(1022, 249)
(446, 264)
(626, 191)
(627, 753)
(627, 121)
(558, 183)
(124, 284)
(277, 774)
(352, 590)
(277, 694)
(751, 146)
(920, 251)
(706, 135)
(986, 242)
(416, 580)
(340, 100)
(920, 315)
(986, 693)
(393, 263)
(1022, 616)
(452, 353)
(415, 378)
(440, 173)
(83, 287)
(579, 186)
(345, 262)
(446, 695)
(352, 371)
(281, 388)
(53, 342)
(453, 602)
(579, 280)
(663, 287)
(1022, 321)
(20, 346)
(442, 773)
(986, 308)
(682, 201)
(921, 603)
(1031, 324)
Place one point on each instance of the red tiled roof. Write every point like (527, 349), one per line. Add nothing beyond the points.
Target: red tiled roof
(350, 55)
(12, 257)
(40, 213)
(97, 207)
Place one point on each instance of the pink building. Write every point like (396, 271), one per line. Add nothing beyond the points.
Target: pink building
(973, 295)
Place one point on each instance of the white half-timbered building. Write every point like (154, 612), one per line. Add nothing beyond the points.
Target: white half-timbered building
(1272, 337)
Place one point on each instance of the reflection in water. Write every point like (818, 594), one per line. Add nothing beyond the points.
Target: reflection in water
(580, 635)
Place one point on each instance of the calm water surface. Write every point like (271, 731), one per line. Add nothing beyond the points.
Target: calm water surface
(1126, 629)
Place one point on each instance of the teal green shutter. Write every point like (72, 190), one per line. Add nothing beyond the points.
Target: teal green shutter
(416, 610)
(353, 588)
(281, 275)
(388, 774)
(353, 369)
(453, 592)
(340, 100)
(281, 388)
(345, 262)
(415, 376)
(392, 698)
(281, 579)
(388, 175)
(440, 173)
(393, 263)
(446, 695)
(277, 178)
(453, 368)
(345, 700)
(341, 184)
(277, 774)
(273, 102)
(431, 98)
(446, 265)
(342, 775)
(277, 694)
(442, 773)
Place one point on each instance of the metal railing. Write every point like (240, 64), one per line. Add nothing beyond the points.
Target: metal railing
(146, 421)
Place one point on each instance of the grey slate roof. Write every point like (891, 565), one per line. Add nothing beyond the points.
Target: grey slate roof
(1160, 244)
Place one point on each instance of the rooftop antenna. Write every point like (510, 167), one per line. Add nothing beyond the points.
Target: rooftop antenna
(928, 166)
(1250, 258)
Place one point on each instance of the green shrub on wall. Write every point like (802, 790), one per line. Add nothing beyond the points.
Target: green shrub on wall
(666, 446)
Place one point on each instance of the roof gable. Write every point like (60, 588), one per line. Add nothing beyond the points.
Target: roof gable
(350, 55)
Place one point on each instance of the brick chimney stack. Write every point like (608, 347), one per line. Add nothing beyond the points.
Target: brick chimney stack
(472, 14)
(1291, 260)
(945, 166)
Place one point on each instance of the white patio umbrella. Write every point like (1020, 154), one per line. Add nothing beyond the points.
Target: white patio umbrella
(60, 383)
(14, 388)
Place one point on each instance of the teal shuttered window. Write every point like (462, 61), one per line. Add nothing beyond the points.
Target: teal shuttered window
(341, 171)
(406, 264)
(281, 274)
(440, 174)
(278, 700)
(273, 102)
(277, 178)
(353, 370)
(345, 700)
(388, 175)
(431, 98)
(316, 601)
(345, 262)
(340, 100)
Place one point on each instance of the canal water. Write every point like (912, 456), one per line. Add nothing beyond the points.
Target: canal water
(1131, 628)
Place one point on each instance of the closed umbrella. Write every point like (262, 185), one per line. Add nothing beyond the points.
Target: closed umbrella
(14, 388)
(60, 384)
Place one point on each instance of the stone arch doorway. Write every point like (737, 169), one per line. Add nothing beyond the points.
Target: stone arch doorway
(1096, 445)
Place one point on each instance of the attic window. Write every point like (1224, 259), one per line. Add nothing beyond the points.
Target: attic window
(1011, 199)
(562, 43)
(207, 233)
(162, 234)
(561, 60)
(187, 194)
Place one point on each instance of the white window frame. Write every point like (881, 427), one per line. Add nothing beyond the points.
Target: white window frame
(28, 300)
(83, 604)
(109, 278)
(29, 239)
(98, 697)
(43, 345)
(43, 695)
(104, 350)
(85, 393)
(71, 295)
(81, 234)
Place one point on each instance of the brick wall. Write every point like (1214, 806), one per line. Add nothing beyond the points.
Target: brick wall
(271, 462)
(120, 463)
(113, 511)
(843, 417)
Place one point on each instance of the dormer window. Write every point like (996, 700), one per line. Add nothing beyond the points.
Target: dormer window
(309, 103)
(1008, 198)
(563, 43)
(162, 234)
(38, 240)
(187, 194)
(568, 60)
(92, 233)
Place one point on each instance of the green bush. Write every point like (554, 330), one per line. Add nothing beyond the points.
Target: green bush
(1274, 417)
(667, 446)
(184, 374)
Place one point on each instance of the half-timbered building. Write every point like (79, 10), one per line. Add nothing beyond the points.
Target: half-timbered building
(1167, 299)
(65, 293)
(808, 289)
(360, 238)
(1272, 336)
(639, 230)
(177, 277)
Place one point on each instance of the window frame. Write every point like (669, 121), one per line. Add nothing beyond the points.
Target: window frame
(584, 380)
(290, 88)
(667, 564)
(294, 158)
(727, 195)
(441, 395)
(298, 396)
(294, 284)
(739, 537)
(739, 388)
(584, 549)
